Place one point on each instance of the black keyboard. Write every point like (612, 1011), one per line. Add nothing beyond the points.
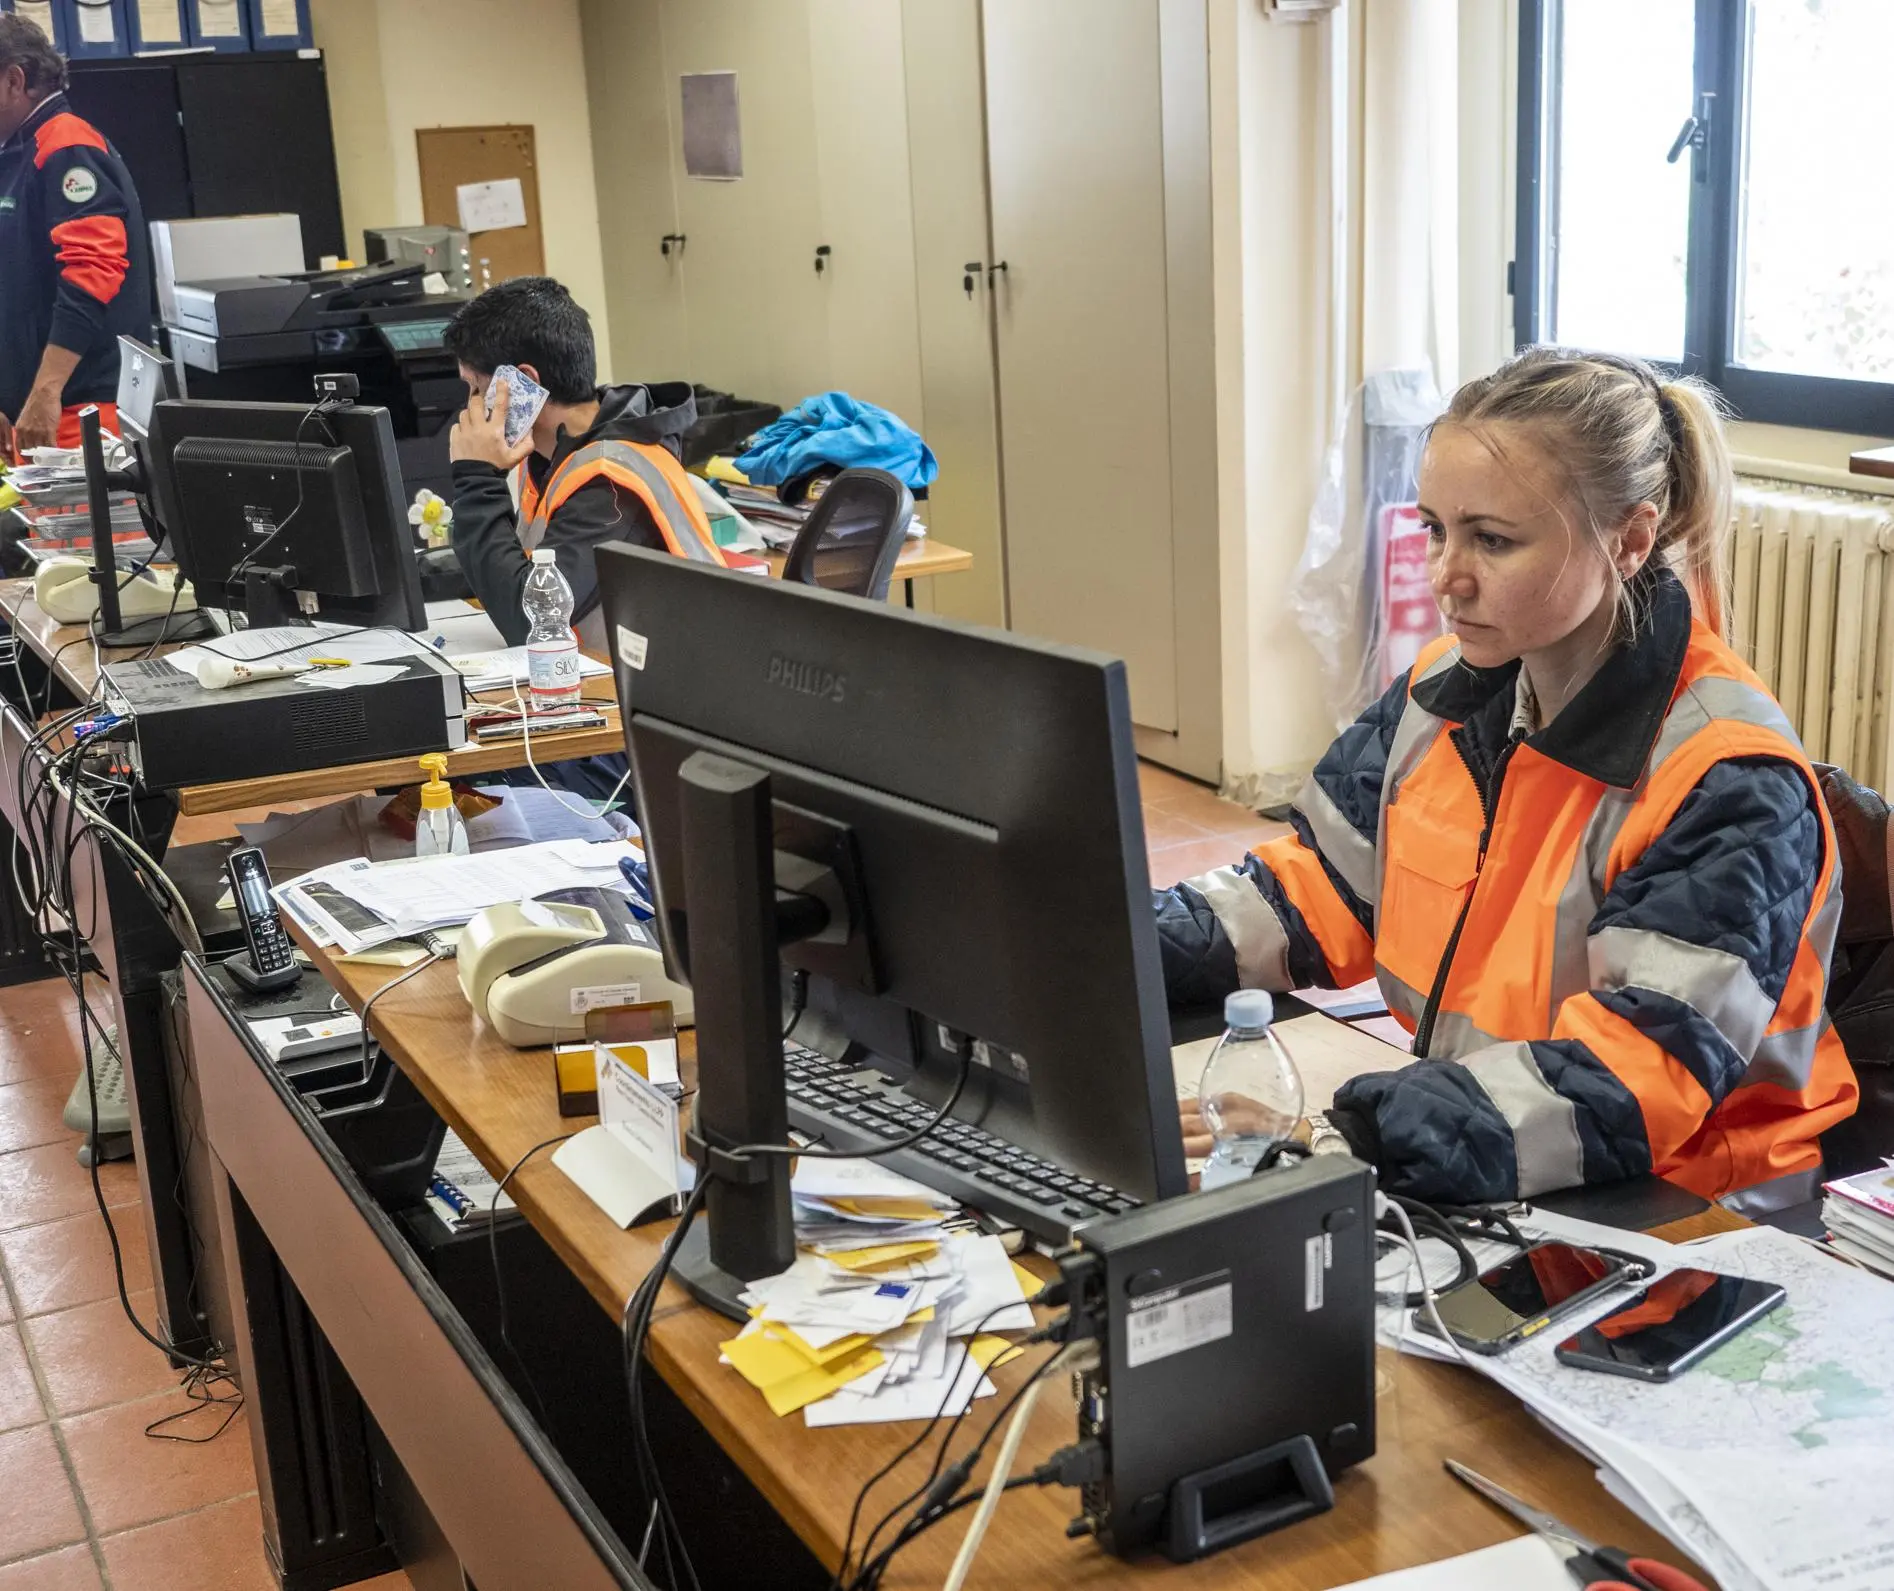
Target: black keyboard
(851, 1107)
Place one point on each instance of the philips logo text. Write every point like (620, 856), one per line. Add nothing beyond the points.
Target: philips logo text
(809, 679)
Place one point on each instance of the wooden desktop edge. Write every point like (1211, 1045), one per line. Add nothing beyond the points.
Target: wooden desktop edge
(1400, 1512)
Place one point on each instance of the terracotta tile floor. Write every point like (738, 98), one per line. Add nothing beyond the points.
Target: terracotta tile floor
(91, 1502)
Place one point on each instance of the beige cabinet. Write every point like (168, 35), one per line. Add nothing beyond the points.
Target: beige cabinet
(1009, 202)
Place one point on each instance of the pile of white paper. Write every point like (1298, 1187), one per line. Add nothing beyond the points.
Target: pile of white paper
(359, 904)
(864, 1326)
(1768, 1462)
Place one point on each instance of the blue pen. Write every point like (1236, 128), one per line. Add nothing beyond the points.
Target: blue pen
(638, 876)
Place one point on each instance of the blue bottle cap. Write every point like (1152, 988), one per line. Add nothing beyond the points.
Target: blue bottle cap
(1249, 1008)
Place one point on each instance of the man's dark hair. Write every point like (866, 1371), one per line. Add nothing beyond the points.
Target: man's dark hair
(24, 44)
(531, 320)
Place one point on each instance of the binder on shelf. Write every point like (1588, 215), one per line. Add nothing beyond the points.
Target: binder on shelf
(95, 30)
(156, 25)
(278, 24)
(50, 18)
(217, 24)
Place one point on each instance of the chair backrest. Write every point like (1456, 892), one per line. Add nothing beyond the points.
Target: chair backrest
(852, 537)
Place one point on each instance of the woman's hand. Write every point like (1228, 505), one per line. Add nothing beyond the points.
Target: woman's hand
(1197, 1136)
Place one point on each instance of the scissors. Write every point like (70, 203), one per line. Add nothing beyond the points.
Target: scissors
(1592, 1566)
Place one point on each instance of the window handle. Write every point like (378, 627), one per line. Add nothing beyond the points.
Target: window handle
(1695, 132)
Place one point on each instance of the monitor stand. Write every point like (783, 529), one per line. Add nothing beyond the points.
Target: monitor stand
(738, 921)
(112, 628)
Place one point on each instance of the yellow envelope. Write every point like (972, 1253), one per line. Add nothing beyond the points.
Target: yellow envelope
(873, 1259)
(785, 1378)
(1028, 1282)
(841, 1348)
(990, 1352)
(889, 1209)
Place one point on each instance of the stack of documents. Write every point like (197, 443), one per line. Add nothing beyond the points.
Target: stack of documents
(863, 1327)
(462, 1192)
(779, 523)
(1859, 1214)
(504, 666)
(1768, 1462)
(359, 904)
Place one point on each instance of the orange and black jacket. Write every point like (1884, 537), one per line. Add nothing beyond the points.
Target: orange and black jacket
(75, 260)
(1610, 936)
(643, 499)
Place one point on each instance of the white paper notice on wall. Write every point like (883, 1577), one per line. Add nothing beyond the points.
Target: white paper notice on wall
(159, 22)
(95, 23)
(37, 12)
(491, 206)
(279, 19)
(219, 19)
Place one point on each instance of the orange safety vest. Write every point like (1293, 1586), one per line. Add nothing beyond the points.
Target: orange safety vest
(644, 469)
(1526, 959)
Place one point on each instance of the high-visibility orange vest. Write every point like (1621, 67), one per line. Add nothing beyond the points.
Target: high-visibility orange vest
(1526, 961)
(644, 469)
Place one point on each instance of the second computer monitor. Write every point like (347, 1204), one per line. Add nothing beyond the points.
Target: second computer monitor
(987, 790)
(243, 486)
(145, 377)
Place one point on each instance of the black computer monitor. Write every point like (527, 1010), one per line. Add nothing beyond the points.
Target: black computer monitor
(145, 377)
(263, 501)
(953, 811)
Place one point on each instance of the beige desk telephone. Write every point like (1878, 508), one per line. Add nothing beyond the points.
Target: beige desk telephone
(532, 969)
(64, 588)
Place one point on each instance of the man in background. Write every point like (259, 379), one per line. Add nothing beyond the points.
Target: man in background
(75, 260)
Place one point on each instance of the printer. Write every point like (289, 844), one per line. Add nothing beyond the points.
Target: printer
(215, 321)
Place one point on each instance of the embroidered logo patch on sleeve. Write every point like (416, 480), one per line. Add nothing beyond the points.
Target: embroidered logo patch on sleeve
(79, 185)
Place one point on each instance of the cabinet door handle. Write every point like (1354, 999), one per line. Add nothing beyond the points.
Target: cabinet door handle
(969, 272)
(665, 242)
(821, 258)
(997, 265)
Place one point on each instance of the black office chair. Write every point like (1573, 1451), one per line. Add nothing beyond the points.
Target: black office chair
(854, 534)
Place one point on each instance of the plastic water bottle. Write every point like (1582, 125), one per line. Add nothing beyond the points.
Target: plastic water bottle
(439, 829)
(1251, 1093)
(552, 650)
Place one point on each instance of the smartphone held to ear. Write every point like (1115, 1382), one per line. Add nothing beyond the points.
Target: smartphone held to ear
(525, 397)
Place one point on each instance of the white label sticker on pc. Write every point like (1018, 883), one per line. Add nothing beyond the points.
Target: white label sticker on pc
(1314, 1263)
(595, 995)
(1178, 1319)
(632, 647)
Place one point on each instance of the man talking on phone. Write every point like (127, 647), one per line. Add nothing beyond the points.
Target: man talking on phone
(598, 463)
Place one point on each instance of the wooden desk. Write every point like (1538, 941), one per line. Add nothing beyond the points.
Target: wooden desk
(1872, 461)
(1397, 1510)
(65, 650)
(918, 560)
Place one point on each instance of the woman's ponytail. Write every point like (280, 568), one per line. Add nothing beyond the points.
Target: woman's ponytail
(1695, 531)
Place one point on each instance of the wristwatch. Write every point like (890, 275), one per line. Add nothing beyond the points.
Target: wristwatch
(1325, 1138)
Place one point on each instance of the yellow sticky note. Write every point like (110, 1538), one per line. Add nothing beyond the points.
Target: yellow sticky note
(873, 1259)
(1029, 1283)
(785, 1378)
(990, 1352)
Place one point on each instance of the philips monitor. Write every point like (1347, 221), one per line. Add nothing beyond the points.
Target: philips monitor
(938, 827)
(287, 512)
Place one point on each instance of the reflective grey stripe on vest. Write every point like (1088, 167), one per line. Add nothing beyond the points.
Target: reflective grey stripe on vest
(1717, 984)
(1455, 1036)
(1414, 736)
(1250, 923)
(1402, 997)
(627, 456)
(1546, 1144)
(1788, 1059)
(1344, 847)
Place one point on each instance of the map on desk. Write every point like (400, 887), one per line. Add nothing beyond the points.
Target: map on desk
(1773, 1459)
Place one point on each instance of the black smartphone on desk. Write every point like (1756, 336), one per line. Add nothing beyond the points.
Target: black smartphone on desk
(1668, 1327)
(1520, 1297)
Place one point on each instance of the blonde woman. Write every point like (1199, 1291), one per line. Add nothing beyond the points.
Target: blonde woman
(1578, 846)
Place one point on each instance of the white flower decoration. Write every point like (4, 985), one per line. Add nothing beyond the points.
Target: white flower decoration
(433, 516)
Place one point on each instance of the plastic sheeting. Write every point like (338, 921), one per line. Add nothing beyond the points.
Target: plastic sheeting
(1360, 592)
